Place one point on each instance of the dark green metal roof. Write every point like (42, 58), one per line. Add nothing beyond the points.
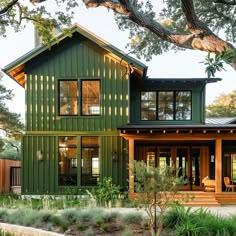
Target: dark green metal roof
(221, 120)
(184, 80)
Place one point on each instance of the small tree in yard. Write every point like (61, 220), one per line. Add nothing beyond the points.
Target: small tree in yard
(156, 190)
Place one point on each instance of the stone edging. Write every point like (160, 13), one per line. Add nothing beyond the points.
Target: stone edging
(18, 230)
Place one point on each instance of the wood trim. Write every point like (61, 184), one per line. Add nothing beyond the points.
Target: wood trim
(179, 136)
(218, 165)
(131, 161)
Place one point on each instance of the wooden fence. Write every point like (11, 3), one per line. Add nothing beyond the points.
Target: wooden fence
(9, 175)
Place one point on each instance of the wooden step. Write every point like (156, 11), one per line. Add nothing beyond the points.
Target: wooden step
(201, 199)
(226, 198)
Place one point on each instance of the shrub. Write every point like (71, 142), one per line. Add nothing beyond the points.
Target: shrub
(70, 215)
(56, 220)
(130, 218)
(188, 228)
(127, 232)
(81, 226)
(106, 192)
(89, 232)
(104, 227)
(64, 225)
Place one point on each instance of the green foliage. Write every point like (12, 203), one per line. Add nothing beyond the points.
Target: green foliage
(89, 232)
(188, 228)
(127, 232)
(10, 122)
(216, 62)
(81, 226)
(170, 16)
(11, 126)
(18, 15)
(130, 218)
(5, 233)
(64, 225)
(70, 215)
(187, 221)
(155, 180)
(104, 227)
(155, 189)
(223, 106)
(56, 220)
(105, 192)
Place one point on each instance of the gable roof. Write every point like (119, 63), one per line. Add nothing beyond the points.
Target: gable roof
(16, 68)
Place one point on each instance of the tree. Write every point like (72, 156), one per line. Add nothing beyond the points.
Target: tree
(10, 126)
(156, 190)
(184, 24)
(223, 106)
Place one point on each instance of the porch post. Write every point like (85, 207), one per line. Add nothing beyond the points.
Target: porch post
(218, 165)
(131, 159)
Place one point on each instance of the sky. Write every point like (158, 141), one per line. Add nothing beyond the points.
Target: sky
(184, 64)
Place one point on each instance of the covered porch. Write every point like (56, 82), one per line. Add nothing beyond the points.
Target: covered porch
(197, 151)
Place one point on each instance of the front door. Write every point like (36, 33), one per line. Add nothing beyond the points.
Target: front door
(188, 166)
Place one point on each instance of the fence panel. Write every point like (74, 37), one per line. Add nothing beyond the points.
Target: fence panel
(5, 174)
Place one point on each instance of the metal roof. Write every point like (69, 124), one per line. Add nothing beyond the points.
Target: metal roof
(220, 120)
(184, 80)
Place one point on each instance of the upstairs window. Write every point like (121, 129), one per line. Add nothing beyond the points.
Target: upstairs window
(90, 97)
(166, 105)
(83, 94)
(148, 105)
(68, 92)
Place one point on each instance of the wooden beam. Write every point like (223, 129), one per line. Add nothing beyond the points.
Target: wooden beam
(131, 165)
(179, 136)
(218, 165)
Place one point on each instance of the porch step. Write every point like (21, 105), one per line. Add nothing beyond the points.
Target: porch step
(202, 199)
(226, 198)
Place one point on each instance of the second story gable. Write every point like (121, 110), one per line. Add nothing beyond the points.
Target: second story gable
(79, 84)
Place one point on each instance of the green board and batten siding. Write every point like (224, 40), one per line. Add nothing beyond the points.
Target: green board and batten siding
(73, 58)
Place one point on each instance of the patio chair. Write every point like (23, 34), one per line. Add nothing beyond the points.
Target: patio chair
(228, 185)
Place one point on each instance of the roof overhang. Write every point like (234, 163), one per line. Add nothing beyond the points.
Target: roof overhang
(178, 129)
(184, 80)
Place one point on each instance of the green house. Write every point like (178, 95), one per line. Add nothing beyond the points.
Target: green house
(91, 110)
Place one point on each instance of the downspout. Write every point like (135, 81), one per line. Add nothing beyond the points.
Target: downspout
(202, 104)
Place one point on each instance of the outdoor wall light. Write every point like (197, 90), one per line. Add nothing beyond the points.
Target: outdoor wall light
(114, 156)
(39, 155)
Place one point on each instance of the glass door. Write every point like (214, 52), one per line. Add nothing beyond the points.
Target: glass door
(165, 158)
(188, 167)
(195, 168)
(182, 165)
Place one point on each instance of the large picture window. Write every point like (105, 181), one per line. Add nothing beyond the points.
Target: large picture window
(166, 105)
(88, 91)
(67, 166)
(90, 161)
